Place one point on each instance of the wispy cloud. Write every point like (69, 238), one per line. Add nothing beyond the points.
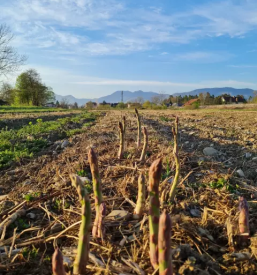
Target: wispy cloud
(204, 57)
(242, 66)
(120, 28)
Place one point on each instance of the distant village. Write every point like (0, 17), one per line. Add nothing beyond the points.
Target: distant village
(158, 102)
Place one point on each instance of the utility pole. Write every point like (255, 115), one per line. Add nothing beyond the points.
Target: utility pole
(122, 96)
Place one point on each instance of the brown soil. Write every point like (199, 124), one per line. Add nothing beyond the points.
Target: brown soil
(199, 215)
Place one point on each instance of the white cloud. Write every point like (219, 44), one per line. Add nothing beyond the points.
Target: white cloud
(120, 29)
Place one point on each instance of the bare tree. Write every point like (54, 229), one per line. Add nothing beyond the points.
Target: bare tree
(64, 103)
(10, 60)
(158, 99)
(139, 100)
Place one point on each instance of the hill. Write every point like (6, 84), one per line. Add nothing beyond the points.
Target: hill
(219, 91)
(112, 98)
(130, 96)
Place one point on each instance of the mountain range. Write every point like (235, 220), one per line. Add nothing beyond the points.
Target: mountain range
(130, 96)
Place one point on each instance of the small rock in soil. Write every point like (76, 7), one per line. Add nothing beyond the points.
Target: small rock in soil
(248, 155)
(31, 216)
(209, 151)
(240, 173)
(118, 214)
(195, 213)
(65, 143)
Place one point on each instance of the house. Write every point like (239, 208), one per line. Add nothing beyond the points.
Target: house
(233, 99)
(228, 99)
(113, 105)
(104, 104)
(134, 105)
(177, 105)
(192, 101)
(50, 104)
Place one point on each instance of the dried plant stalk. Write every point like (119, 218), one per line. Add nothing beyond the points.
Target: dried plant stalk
(138, 128)
(97, 186)
(142, 158)
(154, 209)
(243, 217)
(57, 263)
(230, 231)
(140, 206)
(84, 231)
(121, 135)
(165, 263)
(176, 156)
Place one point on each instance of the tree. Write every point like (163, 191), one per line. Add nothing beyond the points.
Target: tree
(75, 106)
(254, 98)
(7, 93)
(10, 60)
(31, 90)
(64, 103)
(218, 100)
(90, 105)
(121, 105)
(201, 98)
(147, 104)
(57, 104)
(159, 99)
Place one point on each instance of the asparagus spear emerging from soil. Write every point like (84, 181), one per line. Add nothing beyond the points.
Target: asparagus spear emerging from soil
(243, 217)
(121, 134)
(138, 128)
(93, 162)
(141, 196)
(154, 209)
(176, 156)
(57, 263)
(165, 263)
(124, 125)
(100, 226)
(142, 158)
(84, 235)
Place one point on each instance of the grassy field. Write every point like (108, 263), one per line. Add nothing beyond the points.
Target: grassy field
(35, 177)
(29, 109)
(27, 140)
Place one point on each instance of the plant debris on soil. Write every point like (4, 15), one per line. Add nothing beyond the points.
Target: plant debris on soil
(218, 156)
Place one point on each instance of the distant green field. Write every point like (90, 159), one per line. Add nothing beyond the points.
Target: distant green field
(29, 109)
(30, 139)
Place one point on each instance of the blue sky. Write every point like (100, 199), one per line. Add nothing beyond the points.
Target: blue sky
(91, 48)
